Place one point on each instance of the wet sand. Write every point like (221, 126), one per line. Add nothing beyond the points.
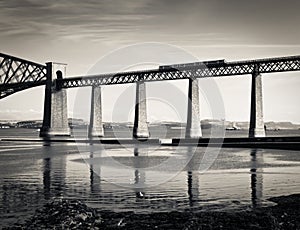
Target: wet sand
(73, 214)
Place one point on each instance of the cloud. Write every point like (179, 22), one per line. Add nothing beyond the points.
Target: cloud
(80, 32)
(137, 20)
(67, 18)
(15, 114)
(244, 46)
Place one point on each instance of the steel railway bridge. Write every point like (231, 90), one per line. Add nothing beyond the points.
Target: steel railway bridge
(17, 74)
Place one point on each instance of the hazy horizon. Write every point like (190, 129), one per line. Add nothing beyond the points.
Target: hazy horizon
(152, 121)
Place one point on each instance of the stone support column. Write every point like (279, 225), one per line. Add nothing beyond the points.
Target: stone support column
(140, 128)
(193, 126)
(256, 128)
(55, 121)
(96, 126)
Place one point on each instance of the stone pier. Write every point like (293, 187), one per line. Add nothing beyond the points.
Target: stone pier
(140, 128)
(256, 128)
(55, 121)
(193, 126)
(96, 126)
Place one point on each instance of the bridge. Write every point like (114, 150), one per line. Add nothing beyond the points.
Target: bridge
(18, 74)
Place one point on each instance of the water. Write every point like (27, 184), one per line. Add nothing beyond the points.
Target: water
(126, 178)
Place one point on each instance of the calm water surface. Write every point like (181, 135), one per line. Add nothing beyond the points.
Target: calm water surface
(127, 178)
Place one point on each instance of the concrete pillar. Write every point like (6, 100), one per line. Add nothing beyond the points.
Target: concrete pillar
(55, 122)
(193, 126)
(96, 126)
(140, 128)
(256, 128)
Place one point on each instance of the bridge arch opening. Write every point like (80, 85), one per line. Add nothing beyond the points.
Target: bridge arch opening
(23, 105)
(59, 74)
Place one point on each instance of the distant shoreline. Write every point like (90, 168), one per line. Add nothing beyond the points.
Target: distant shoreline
(205, 124)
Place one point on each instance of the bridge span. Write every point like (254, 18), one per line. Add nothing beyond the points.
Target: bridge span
(18, 74)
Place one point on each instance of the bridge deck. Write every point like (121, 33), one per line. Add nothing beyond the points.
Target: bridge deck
(188, 70)
(17, 74)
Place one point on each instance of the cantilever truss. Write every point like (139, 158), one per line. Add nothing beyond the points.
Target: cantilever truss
(190, 70)
(18, 74)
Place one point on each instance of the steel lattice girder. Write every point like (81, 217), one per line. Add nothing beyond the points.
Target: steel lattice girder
(18, 74)
(190, 70)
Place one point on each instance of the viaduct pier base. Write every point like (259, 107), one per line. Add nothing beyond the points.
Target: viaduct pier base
(256, 127)
(96, 126)
(55, 121)
(140, 128)
(193, 126)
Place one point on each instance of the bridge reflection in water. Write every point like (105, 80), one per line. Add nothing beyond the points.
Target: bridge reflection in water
(95, 178)
(256, 177)
(54, 173)
(238, 178)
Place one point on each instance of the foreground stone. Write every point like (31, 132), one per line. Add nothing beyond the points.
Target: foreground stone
(63, 214)
(72, 214)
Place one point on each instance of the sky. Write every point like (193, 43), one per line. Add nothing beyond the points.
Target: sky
(80, 33)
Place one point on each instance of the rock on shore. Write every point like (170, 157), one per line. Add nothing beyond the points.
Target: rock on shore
(73, 214)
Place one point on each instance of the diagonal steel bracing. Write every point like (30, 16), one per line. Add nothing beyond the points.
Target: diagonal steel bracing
(190, 70)
(17, 74)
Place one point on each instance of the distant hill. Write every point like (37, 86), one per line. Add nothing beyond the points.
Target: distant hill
(281, 125)
(205, 124)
